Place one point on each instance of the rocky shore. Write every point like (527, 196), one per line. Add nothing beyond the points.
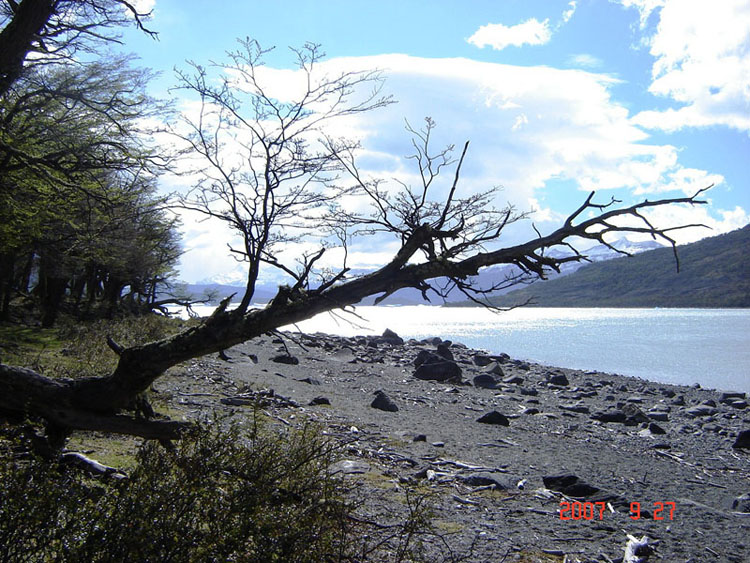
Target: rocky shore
(521, 462)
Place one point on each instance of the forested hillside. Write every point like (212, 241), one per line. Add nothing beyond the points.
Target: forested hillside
(714, 272)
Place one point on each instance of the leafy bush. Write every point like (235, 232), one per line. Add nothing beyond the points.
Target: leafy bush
(221, 495)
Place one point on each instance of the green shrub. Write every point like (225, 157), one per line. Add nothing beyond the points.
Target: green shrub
(221, 495)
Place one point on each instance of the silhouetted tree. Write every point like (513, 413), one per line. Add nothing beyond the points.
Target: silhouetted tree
(272, 174)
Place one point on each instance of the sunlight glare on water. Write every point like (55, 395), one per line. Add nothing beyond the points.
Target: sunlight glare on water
(683, 346)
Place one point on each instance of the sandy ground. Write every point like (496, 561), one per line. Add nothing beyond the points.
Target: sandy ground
(684, 481)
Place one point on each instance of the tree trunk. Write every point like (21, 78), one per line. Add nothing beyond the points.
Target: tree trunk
(17, 38)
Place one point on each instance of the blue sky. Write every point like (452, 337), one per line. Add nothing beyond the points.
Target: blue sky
(635, 98)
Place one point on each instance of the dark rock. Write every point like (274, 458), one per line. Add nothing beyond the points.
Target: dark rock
(481, 360)
(285, 359)
(481, 480)
(569, 485)
(444, 352)
(523, 366)
(742, 503)
(709, 402)
(700, 411)
(383, 402)
(634, 415)
(612, 415)
(743, 440)
(236, 401)
(420, 438)
(494, 417)
(728, 397)
(739, 404)
(392, 338)
(669, 393)
(494, 368)
(656, 429)
(426, 357)
(438, 444)
(485, 381)
(531, 411)
(514, 380)
(679, 401)
(320, 401)
(310, 381)
(576, 408)
(661, 416)
(439, 371)
(529, 391)
(557, 379)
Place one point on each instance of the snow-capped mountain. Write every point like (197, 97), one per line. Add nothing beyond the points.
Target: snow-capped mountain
(229, 282)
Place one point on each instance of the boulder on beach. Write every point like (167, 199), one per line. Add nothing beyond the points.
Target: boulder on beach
(383, 402)
(494, 417)
(439, 371)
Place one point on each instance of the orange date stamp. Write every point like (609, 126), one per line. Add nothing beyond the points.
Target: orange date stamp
(595, 510)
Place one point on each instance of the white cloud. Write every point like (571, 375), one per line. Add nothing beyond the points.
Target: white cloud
(584, 60)
(143, 6)
(530, 128)
(499, 36)
(645, 7)
(567, 14)
(702, 62)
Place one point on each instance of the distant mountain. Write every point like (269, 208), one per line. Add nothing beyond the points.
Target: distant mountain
(233, 282)
(714, 272)
(496, 274)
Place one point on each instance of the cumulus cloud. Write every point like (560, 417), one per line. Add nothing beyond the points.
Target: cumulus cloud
(530, 32)
(702, 63)
(533, 130)
(499, 36)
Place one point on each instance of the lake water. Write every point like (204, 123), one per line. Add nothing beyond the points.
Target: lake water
(683, 346)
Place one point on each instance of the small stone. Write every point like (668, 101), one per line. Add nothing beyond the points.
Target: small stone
(310, 381)
(743, 440)
(513, 380)
(285, 359)
(320, 401)
(439, 371)
(661, 416)
(742, 503)
(485, 381)
(531, 411)
(613, 415)
(481, 360)
(439, 444)
(730, 396)
(700, 411)
(569, 485)
(383, 402)
(392, 338)
(494, 417)
(481, 480)
(656, 429)
(494, 368)
(420, 438)
(557, 379)
(444, 351)
(576, 408)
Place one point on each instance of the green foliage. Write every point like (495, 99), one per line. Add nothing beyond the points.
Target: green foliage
(222, 495)
(714, 272)
(79, 349)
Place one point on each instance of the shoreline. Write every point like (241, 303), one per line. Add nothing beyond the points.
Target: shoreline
(559, 422)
